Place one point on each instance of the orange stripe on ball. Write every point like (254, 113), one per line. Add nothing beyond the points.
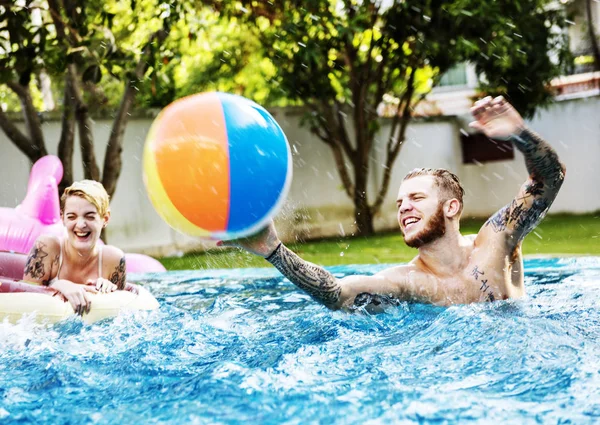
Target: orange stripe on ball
(159, 197)
(192, 158)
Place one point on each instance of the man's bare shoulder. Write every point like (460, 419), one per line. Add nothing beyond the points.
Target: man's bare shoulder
(501, 243)
(414, 283)
(398, 272)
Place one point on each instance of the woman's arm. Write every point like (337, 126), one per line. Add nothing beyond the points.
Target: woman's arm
(42, 262)
(42, 266)
(116, 267)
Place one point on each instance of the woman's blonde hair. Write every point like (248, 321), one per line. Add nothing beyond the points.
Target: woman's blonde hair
(91, 191)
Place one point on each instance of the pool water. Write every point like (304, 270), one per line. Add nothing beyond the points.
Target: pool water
(245, 346)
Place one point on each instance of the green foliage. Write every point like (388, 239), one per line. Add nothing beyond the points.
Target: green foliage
(21, 41)
(225, 55)
(323, 49)
(105, 39)
(8, 100)
(584, 60)
(522, 46)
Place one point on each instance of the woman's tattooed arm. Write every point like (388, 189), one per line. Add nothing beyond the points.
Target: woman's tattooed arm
(546, 175)
(315, 280)
(119, 276)
(39, 264)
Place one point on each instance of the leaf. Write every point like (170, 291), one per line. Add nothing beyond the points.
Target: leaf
(93, 74)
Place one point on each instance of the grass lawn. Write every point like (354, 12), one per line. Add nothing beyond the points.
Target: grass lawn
(557, 235)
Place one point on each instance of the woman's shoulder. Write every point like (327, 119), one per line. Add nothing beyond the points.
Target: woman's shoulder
(112, 254)
(114, 265)
(48, 243)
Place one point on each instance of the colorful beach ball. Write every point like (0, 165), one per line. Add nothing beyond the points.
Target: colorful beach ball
(216, 166)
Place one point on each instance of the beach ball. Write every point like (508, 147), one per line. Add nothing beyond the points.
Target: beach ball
(216, 166)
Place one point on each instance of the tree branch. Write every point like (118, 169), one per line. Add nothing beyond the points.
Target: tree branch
(32, 120)
(64, 31)
(335, 117)
(112, 157)
(382, 86)
(367, 66)
(20, 140)
(322, 129)
(395, 143)
(592, 33)
(84, 124)
(67, 136)
(338, 157)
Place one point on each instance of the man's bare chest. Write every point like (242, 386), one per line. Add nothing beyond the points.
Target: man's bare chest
(483, 279)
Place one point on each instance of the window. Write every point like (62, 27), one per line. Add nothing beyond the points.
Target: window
(455, 76)
(477, 148)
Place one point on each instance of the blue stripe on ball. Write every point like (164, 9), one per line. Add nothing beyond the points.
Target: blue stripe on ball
(258, 162)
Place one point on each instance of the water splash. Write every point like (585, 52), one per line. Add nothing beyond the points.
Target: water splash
(244, 346)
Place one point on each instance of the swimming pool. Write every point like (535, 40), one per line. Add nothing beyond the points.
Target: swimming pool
(244, 346)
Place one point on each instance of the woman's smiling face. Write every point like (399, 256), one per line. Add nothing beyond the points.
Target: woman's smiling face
(83, 222)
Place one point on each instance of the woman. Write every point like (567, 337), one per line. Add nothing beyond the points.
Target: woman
(78, 264)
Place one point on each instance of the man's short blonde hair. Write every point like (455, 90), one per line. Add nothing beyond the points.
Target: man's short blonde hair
(91, 191)
(447, 183)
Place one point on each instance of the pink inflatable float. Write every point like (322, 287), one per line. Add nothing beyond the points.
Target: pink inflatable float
(39, 213)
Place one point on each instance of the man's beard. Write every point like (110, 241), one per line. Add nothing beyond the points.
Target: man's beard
(435, 229)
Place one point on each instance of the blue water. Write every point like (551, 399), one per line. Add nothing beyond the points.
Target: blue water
(244, 346)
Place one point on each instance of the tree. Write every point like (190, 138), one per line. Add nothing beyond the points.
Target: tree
(340, 58)
(79, 43)
(592, 35)
(226, 57)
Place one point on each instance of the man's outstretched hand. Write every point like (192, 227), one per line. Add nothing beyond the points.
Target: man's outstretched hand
(262, 243)
(496, 118)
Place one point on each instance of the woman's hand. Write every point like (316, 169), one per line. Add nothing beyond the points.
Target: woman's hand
(75, 294)
(135, 289)
(102, 285)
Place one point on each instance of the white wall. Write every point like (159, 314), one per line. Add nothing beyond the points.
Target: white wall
(573, 129)
(317, 205)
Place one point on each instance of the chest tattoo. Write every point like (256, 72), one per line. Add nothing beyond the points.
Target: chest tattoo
(479, 276)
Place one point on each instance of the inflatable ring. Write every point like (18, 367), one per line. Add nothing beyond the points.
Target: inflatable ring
(19, 298)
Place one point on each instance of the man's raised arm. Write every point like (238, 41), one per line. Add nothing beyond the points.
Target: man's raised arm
(498, 119)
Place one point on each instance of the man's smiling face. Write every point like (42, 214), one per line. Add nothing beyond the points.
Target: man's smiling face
(420, 211)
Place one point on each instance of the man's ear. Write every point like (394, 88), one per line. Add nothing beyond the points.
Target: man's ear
(452, 207)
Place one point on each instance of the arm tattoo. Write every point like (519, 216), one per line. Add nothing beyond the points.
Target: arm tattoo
(546, 176)
(370, 301)
(119, 276)
(542, 161)
(315, 280)
(35, 262)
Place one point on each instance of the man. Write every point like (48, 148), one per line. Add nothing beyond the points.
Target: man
(450, 268)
